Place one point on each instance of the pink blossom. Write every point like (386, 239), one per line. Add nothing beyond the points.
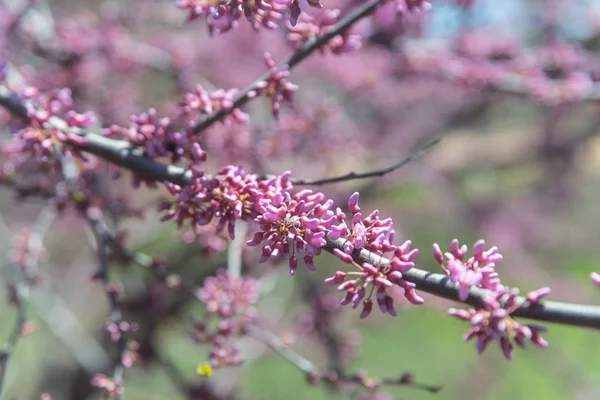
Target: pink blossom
(495, 323)
(478, 271)
(309, 27)
(377, 237)
(595, 278)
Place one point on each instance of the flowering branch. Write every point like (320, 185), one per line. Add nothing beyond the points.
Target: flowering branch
(440, 285)
(123, 154)
(301, 54)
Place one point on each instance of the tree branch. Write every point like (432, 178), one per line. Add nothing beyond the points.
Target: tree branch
(302, 53)
(123, 154)
(440, 285)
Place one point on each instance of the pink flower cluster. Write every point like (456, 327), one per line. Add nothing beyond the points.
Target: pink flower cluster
(552, 74)
(404, 6)
(595, 278)
(229, 195)
(200, 103)
(277, 86)
(292, 224)
(495, 323)
(222, 15)
(479, 270)
(40, 138)
(35, 153)
(311, 26)
(377, 236)
(157, 137)
(113, 389)
(231, 302)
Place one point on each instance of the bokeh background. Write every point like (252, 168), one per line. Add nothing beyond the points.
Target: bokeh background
(522, 175)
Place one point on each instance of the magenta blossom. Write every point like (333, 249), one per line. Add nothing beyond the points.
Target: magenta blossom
(222, 15)
(277, 86)
(227, 196)
(199, 103)
(478, 270)
(495, 323)
(157, 137)
(309, 27)
(595, 278)
(291, 225)
(376, 236)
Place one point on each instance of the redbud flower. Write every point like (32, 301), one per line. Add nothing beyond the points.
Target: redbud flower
(310, 27)
(36, 153)
(156, 136)
(231, 301)
(537, 295)
(118, 329)
(479, 270)
(112, 389)
(228, 296)
(291, 226)
(495, 323)
(377, 236)
(199, 103)
(224, 354)
(296, 7)
(404, 6)
(277, 87)
(595, 278)
(222, 15)
(227, 196)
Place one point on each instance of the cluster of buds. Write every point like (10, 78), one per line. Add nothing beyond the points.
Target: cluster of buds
(200, 103)
(479, 270)
(406, 6)
(112, 388)
(38, 155)
(311, 26)
(222, 15)
(291, 225)
(229, 195)
(157, 138)
(26, 252)
(551, 75)
(595, 278)
(376, 236)
(230, 308)
(41, 141)
(494, 322)
(277, 86)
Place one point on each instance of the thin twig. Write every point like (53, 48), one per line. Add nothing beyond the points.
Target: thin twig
(314, 375)
(301, 54)
(276, 344)
(375, 173)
